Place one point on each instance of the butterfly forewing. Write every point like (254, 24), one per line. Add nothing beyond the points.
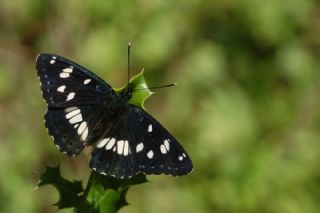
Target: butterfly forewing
(137, 143)
(65, 83)
(74, 127)
(72, 93)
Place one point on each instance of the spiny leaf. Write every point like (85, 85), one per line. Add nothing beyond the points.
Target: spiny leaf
(140, 92)
(103, 200)
(70, 192)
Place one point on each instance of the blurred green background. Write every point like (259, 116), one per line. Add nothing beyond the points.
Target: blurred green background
(247, 107)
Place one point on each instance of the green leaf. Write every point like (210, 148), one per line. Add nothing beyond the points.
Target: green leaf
(104, 200)
(70, 192)
(107, 194)
(140, 92)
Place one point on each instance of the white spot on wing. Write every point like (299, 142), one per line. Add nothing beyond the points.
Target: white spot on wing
(120, 146)
(64, 75)
(84, 134)
(52, 61)
(103, 142)
(87, 81)
(110, 143)
(150, 128)
(72, 113)
(76, 119)
(126, 148)
(82, 127)
(139, 147)
(184, 155)
(163, 149)
(70, 96)
(67, 70)
(61, 88)
(53, 57)
(69, 109)
(180, 158)
(150, 154)
(166, 144)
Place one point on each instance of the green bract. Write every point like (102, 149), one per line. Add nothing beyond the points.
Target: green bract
(140, 92)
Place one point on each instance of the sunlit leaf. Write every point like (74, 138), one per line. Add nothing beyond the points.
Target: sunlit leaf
(140, 92)
(107, 194)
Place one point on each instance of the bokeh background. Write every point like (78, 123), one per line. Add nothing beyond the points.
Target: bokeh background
(247, 107)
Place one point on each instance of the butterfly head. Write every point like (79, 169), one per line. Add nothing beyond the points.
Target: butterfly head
(127, 93)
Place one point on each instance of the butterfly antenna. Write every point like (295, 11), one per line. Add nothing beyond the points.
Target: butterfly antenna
(158, 87)
(129, 47)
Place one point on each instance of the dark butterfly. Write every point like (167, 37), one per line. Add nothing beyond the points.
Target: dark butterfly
(84, 110)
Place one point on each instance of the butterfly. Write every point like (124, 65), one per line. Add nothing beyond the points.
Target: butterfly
(83, 110)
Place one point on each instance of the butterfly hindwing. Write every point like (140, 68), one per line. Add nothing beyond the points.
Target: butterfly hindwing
(137, 143)
(65, 83)
(73, 128)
